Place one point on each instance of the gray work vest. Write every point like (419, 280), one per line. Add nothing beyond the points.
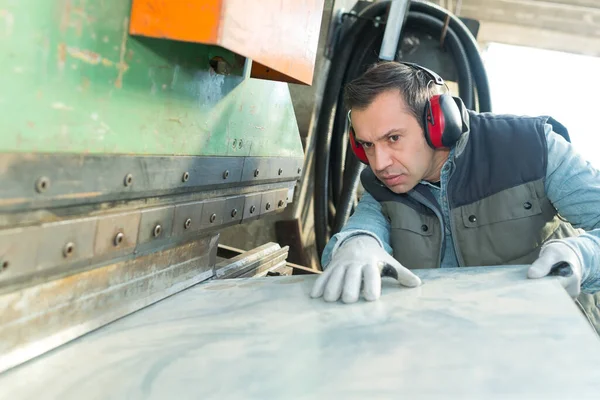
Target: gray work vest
(499, 211)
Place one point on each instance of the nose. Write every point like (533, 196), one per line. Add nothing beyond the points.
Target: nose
(381, 159)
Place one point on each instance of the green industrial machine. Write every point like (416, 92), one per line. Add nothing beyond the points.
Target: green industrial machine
(121, 159)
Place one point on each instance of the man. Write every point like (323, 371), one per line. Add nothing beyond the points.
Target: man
(448, 187)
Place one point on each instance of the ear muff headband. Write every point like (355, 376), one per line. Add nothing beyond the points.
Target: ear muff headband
(442, 119)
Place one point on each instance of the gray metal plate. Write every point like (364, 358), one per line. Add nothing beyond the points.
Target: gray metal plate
(234, 210)
(467, 333)
(41, 180)
(109, 227)
(268, 168)
(252, 206)
(156, 224)
(18, 252)
(66, 242)
(212, 213)
(191, 211)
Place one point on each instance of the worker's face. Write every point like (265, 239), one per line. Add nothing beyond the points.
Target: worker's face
(394, 142)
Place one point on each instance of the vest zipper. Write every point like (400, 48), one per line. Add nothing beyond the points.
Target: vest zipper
(461, 262)
(423, 200)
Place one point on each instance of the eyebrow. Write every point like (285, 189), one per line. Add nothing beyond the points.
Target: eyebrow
(386, 135)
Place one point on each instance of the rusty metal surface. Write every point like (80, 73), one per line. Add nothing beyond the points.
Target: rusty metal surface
(32, 181)
(39, 318)
(156, 224)
(39, 253)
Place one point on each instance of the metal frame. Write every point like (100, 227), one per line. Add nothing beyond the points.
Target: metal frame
(39, 318)
(34, 181)
(33, 254)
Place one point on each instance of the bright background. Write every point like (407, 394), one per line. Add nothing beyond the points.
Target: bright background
(528, 81)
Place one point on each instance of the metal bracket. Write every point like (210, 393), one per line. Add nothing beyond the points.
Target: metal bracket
(395, 21)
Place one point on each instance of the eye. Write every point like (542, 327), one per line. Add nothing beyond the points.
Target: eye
(394, 138)
(367, 145)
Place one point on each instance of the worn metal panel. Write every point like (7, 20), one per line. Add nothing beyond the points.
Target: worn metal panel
(466, 333)
(39, 318)
(65, 242)
(233, 210)
(268, 168)
(155, 224)
(18, 252)
(273, 201)
(74, 81)
(187, 218)
(117, 234)
(213, 213)
(252, 206)
(44, 180)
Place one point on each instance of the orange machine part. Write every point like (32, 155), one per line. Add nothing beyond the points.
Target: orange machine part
(280, 36)
(187, 21)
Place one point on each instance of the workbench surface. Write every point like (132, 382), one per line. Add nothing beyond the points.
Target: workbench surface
(468, 333)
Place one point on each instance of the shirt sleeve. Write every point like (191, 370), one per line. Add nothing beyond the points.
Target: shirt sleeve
(573, 186)
(368, 219)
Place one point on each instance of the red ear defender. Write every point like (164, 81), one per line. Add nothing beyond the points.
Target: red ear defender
(434, 122)
(357, 148)
(442, 121)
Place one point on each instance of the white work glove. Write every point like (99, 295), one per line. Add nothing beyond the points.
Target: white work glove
(555, 259)
(359, 258)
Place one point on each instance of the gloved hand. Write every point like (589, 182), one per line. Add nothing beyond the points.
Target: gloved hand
(357, 258)
(555, 259)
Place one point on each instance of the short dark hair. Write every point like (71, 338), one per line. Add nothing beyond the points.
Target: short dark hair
(384, 76)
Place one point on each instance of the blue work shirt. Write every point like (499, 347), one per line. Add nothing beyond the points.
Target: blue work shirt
(572, 185)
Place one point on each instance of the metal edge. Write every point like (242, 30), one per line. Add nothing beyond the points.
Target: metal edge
(35, 181)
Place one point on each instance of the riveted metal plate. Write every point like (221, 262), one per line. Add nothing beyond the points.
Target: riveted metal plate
(281, 199)
(185, 212)
(234, 210)
(155, 224)
(44, 180)
(252, 206)
(267, 203)
(273, 201)
(110, 228)
(65, 242)
(212, 213)
(269, 168)
(18, 252)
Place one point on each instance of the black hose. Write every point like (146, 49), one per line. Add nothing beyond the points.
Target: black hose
(433, 26)
(337, 161)
(470, 46)
(366, 52)
(325, 120)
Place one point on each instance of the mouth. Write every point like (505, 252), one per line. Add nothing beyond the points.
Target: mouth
(392, 180)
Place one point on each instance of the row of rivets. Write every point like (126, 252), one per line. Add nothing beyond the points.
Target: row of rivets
(69, 249)
(43, 183)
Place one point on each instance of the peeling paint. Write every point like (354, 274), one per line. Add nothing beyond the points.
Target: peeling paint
(79, 195)
(65, 19)
(123, 67)
(61, 106)
(85, 55)
(62, 55)
(9, 21)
